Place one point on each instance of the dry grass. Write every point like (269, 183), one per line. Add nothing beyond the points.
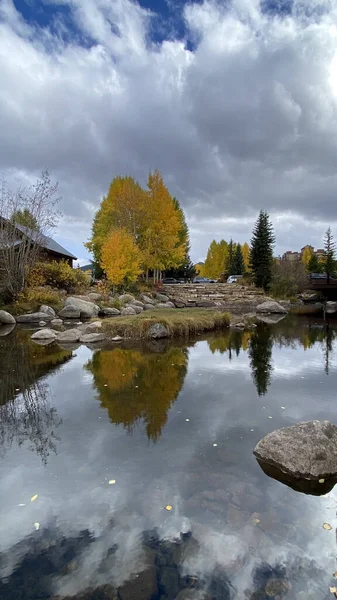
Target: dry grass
(179, 323)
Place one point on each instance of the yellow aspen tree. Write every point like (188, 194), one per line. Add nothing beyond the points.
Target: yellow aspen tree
(161, 245)
(306, 255)
(123, 207)
(121, 257)
(245, 254)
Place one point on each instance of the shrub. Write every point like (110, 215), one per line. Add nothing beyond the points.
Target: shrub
(59, 275)
(33, 297)
(288, 279)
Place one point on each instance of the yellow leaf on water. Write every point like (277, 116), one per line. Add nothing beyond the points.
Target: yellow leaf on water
(215, 445)
(33, 498)
(37, 526)
(168, 507)
(112, 481)
(321, 480)
(333, 590)
(327, 526)
(256, 521)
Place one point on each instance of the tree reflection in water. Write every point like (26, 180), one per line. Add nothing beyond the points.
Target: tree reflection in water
(138, 385)
(25, 412)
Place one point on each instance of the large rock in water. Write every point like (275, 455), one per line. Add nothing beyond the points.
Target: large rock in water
(271, 307)
(157, 331)
(48, 310)
(307, 450)
(33, 318)
(6, 318)
(45, 334)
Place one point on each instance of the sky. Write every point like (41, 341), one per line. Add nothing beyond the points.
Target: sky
(235, 102)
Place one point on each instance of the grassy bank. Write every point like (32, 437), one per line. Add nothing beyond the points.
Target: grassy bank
(179, 323)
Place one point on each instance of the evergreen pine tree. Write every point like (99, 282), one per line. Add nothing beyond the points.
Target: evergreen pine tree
(261, 251)
(230, 262)
(239, 265)
(330, 251)
(314, 266)
(260, 354)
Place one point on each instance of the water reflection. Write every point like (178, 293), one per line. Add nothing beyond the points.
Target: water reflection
(135, 385)
(260, 354)
(26, 414)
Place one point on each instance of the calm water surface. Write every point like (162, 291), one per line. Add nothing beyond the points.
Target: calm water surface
(95, 444)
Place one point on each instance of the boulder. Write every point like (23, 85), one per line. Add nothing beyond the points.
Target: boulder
(45, 334)
(157, 331)
(128, 310)
(271, 307)
(205, 304)
(179, 303)
(94, 327)
(117, 338)
(71, 335)
(109, 312)
(42, 323)
(6, 318)
(147, 299)
(331, 307)
(136, 308)
(6, 329)
(87, 310)
(56, 322)
(164, 305)
(143, 585)
(70, 312)
(33, 318)
(307, 450)
(123, 298)
(91, 338)
(149, 306)
(94, 296)
(239, 325)
(137, 303)
(48, 310)
(162, 297)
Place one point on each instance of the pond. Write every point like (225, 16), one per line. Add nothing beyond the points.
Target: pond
(128, 472)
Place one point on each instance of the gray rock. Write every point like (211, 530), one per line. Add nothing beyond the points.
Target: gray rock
(48, 310)
(305, 450)
(156, 331)
(128, 311)
(6, 329)
(147, 299)
(165, 305)
(6, 318)
(94, 327)
(44, 334)
(179, 303)
(42, 323)
(70, 312)
(33, 318)
(56, 322)
(94, 296)
(123, 298)
(117, 338)
(239, 325)
(205, 304)
(331, 307)
(137, 303)
(90, 338)
(109, 312)
(149, 306)
(86, 309)
(271, 307)
(136, 308)
(143, 585)
(71, 335)
(162, 297)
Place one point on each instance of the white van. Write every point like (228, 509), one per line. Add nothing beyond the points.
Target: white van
(234, 278)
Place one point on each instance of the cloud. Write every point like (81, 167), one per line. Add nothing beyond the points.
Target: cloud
(248, 119)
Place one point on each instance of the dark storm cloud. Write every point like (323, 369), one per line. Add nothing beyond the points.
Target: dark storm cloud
(247, 120)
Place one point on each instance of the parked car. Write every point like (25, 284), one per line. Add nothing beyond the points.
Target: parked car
(203, 280)
(234, 278)
(170, 281)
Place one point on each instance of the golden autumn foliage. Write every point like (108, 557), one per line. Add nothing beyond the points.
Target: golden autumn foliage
(130, 389)
(245, 254)
(306, 255)
(216, 259)
(121, 257)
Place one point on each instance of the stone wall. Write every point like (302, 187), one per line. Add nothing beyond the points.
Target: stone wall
(222, 295)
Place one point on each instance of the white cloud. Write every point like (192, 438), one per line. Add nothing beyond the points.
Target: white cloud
(247, 120)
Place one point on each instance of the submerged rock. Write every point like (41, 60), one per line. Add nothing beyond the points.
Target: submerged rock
(307, 450)
(6, 329)
(271, 307)
(305, 486)
(6, 318)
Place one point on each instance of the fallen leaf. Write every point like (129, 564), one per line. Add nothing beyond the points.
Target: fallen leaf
(112, 481)
(321, 480)
(22, 505)
(333, 590)
(335, 574)
(186, 419)
(270, 417)
(168, 507)
(283, 407)
(256, 521)
(33, 498)
(252, 429)
(37, 526)
(215, 445)
(327, 526)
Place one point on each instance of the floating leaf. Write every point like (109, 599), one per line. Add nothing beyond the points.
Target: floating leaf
(327, 526)
(256, 521)
(112, 481)
(335, 574)
(321, 480)
(270, 417)
(283, 407)
(215, 445)
(33, 498)
(168, 507)
(186, 419)
(333, 590)
(22, 505)
(37, 526)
